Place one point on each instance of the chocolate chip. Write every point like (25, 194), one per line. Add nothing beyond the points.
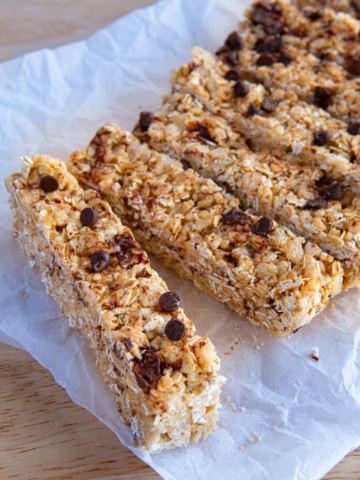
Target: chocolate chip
(241, 89)
(235, 216)
(334, 191)
(175, 330)
(322, 97)
(232, 58)
(354, 128)
(254, 110)
(356, 5)
(269, 104)
(312, 14)
(269, 17)
(128, 251)
(145, 120)
(222, 50)
(232, 75)
(323, 181)
(321, 138)
(316, 204)
(169, 302)
(268, 44)
(265, 60)
(128, 343)
(99, 260)
(263, 226)
(204, 132)
(88, 217)
(234, 41)
(284, 58)
(48, 183)
(352, 64)
(148, 370)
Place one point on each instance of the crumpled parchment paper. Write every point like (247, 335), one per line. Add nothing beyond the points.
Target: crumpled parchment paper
(285, 416)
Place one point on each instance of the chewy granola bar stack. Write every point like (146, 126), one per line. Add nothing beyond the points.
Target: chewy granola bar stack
(164, 377)
(271, 129)
(281, 156)
(258, 268)
(319, 203)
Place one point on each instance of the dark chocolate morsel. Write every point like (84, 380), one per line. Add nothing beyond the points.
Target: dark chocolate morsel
(204, 132)
(88, 217)
(269, 17)
(145, 120)
(321, 138)
(265, 60)
(263, 226)
(269, 104)
(312, 14)
(148, 370)
(241, 89)
(334, 191)
(175, 330)
(284, 58)
(48, 183)
(100, 260)
(352, 64)
(316, 204)
(234, 41)
(232, 75)
(235, 216)
(231, 57)
(354, 128)
(254, 110)
(169, 302)
(222, 50)
(356, 5)
(322, 97)
(128, 251)
(268, 44)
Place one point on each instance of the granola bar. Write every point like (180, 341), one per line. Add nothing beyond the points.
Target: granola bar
(286, 59)
(164, 377)
(258, 268)
(321, 204)
(268, 118)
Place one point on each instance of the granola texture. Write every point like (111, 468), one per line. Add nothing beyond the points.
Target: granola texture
(271, 119)
(285, 187)
(166, 390)
(258, 268)
(283, 48)
(351, 7)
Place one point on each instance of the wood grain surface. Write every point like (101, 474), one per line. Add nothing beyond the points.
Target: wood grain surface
(43, 434)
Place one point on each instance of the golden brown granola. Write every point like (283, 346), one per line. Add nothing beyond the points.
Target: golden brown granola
(260, 269)
(287, 50)
(320, 202)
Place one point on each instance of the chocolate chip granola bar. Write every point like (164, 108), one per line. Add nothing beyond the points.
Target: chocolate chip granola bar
(268, 118)
(258, 268)
(164, 377)
(283, 49)
(321, 204)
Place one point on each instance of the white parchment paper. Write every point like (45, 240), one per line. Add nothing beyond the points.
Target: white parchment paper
(285, 416)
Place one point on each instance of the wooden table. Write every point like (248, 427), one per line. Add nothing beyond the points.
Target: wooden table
(43, 435)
